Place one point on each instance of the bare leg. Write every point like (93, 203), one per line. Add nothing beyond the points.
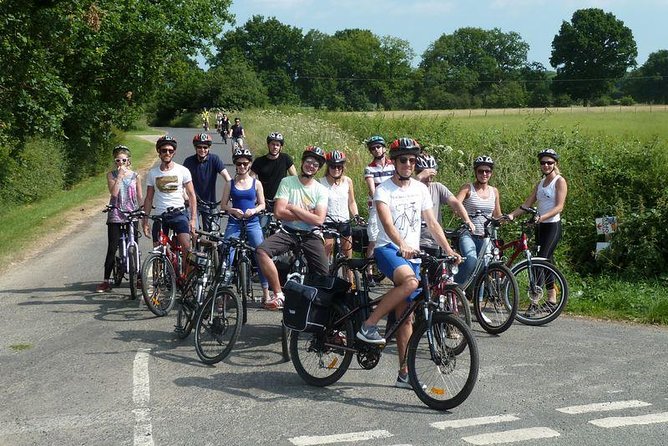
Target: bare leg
(268, 270)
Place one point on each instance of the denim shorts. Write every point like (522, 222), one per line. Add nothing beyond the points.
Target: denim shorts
(178, 222)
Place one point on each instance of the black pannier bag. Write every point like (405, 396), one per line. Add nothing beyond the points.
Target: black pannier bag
(360, 239)
(307, 307)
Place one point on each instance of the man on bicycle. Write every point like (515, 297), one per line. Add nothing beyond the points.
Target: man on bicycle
(204, 168)
(166, 183)
(400, 202)
(237, 134)
(301, 205)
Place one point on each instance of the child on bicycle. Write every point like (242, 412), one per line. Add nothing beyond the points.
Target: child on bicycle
(126, 194)
(400, 202)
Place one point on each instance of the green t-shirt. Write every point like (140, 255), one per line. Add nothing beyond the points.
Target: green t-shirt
(306, 197)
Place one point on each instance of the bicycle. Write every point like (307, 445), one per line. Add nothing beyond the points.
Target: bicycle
(209, 214)
(336, 257)
(442, 352)
(217, 321)
(159, 272)
(495, 290)
(450, 296)
(128, 258)
(534, 274)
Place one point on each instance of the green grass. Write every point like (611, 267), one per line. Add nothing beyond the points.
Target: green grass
(22, 226)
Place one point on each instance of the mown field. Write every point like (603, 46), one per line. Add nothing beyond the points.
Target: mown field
(611, 160)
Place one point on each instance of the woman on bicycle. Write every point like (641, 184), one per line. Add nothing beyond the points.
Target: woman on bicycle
(126, 194)
(478, 196)
(341, 203)
(243, 197)
(550, 196)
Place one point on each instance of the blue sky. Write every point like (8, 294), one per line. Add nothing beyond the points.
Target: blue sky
(421, 22)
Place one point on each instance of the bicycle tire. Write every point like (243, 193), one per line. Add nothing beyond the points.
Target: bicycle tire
(495, 298)
(462, 309)
(286, 334)
(185, 316)
(446, 379)
(343, 272)
(117, 271)
(133, 266)
(319, 364)
(217, 326)
(532, 308)
(158, 284)
(242, 288)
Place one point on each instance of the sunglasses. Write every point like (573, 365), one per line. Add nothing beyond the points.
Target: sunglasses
(122, 160)
(242, 164)
(407, 160)
(336, 167)
(484, 171)
(202, 147)
(170, 151)
(546, 163)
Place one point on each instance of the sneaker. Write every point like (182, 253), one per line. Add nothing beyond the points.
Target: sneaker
(104, 287)
(370, 335)
(275, 303)
(548, 307)
(403, 382)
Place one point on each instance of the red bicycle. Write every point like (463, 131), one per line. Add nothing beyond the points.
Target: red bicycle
(159, 273)
(543, 288)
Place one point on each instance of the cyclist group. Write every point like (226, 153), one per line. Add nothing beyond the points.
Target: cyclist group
(399, 203)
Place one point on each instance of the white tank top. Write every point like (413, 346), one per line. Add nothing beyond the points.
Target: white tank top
(546, 197)
(337, 206)
(474, 203)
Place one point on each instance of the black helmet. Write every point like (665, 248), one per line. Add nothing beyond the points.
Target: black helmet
(548, 152)
(404, 146)
(483, 160)
(121, 148)
(164, 141)
(275, 136)
(242, 153)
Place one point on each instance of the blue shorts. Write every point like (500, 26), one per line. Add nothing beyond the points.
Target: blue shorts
(388, 261)
(178, 222)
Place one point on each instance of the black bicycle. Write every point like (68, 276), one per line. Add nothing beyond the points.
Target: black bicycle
(442, 353)
(127, 262)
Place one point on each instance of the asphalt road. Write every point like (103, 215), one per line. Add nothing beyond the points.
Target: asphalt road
(82, 368)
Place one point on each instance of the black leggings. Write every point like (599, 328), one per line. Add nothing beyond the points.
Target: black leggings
(547, 237)
(113, 239)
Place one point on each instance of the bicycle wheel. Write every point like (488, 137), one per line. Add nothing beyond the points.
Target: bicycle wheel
(185, 316)
(345, 273)
(158, 284)
(534, 307)
(455, 302)
(133, 265)
(118, 270)
(320, 358)
(443, 361)
(242, 288)
(217, 326)
(495, 298)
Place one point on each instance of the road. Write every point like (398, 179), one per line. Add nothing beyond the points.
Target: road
(82, 368)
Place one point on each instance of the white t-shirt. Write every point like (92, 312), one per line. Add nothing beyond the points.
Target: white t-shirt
(168, 186)
(337, 205)
(406, 205)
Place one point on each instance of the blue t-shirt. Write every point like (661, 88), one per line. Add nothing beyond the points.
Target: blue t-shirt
(204, 175)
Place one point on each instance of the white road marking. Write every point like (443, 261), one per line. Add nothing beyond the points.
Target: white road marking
(340, 438)
(653, 418)
(603, 407)
(466, 422)
(532, 433)
(141, 395)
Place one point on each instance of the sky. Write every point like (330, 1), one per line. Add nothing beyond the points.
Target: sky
(421, 22)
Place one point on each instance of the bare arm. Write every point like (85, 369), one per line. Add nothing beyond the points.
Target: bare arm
(190, 192)
(148, 205)
(458, 208)
(140, 193)
(259, 200)
(352, 204)
(370, 185)
(226, 176)
(314, 217)
(292, 170)
(497, 205)
(437, 232)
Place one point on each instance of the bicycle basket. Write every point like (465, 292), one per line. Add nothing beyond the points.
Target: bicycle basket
(307, 307)
(360, 239)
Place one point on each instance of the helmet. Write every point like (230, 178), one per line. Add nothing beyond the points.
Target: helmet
(164, 141)
(426, 161)
(275, 136)
(242, 153)
(375, 140)
(316, 152)
(483, 160)
(548, 152)
(335, 157)
(120, 148)
(202, 139)
(404, 146)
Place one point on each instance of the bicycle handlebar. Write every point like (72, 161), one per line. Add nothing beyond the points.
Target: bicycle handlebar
(133, 215)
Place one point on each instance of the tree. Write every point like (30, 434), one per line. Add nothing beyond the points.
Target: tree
(649, 83)
(590, 53)
(468, 63)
